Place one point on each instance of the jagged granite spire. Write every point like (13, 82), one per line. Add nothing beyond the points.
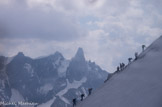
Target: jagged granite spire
(77, 67)
(79, 55)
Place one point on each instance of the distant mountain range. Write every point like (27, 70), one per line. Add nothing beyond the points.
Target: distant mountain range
(50, 81)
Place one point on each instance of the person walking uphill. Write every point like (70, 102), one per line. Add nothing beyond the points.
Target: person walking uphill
(136, 55)
(82, 95)
(143, 47)
(89, 91)
(74, 102)
(129, 60)
(118, 69)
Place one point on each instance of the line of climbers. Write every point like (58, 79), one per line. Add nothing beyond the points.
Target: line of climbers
(122, 66)
(82, 96)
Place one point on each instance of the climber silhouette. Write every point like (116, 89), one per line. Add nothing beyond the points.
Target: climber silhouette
(89, 91)
(74, 102)
(143, 47)
(82, 95)
(123, 65)
(118, 68)
(129, 60)
(136, 55)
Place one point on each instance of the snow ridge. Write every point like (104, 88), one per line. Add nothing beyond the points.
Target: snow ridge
(138, 85)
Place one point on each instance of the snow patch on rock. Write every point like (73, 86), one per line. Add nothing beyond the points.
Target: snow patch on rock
(62, 69)
(75, 85)
(46, 88)
(29, 69)
(16, 96)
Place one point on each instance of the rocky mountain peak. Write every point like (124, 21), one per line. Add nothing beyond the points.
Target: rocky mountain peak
(20, 54)
(79, 54)
(56, 55)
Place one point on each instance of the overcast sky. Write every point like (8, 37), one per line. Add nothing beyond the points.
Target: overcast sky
(109, 31)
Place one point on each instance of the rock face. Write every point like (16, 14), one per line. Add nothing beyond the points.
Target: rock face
(78, 67)
(50, 81)
(138, 85)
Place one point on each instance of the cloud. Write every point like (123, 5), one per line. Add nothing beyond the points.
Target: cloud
(19, 20)
(109, 31)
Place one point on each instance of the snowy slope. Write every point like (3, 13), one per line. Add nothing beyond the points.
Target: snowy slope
(138, 85)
